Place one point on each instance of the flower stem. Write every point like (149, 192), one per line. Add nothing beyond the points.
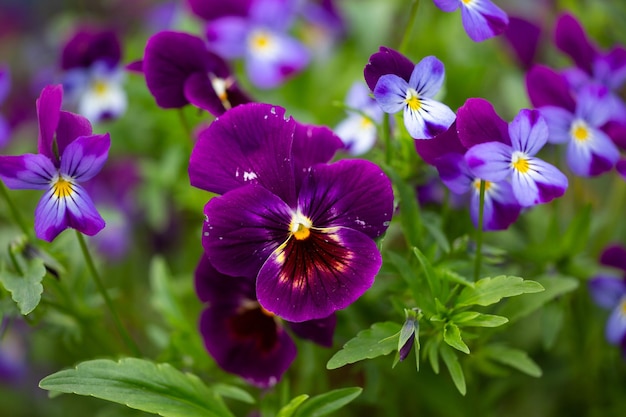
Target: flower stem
(15, 212)
(479, 232)
(386, 138)
(409, 27)
(98, 281)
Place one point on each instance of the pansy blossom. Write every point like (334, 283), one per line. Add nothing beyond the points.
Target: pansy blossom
(358, 131)
(302, 228)
(81, 156)
(481, 18)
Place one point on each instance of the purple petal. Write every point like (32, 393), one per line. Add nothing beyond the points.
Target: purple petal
(387, 61)
(483, 20)
(5, 82)
(84, 158)
(615, 256)
(71, 126)
(447, 5)
(542, 183)
(610, 69)
(427, 77)
(48, 110)
(490, 161)
(348, 193)
(273, 14)
(621, 168)
(216, 288)
(199, 91)
(312, 278)
(593, 156)
(455, 173)
(594, 105)
(503, 207)
(27, 172)
(227, 36)
(242, 228)
(570, 38)
(616, 325)
(528, 132)
(88, 46)
(390, 93)
(445, 142)
(214, 9)
(523, 37)
(319, 331)
(431, 119)
(250, 143)
(607, 291)
(559, 123)
(548, 88)
(478, 122)
(312, 145)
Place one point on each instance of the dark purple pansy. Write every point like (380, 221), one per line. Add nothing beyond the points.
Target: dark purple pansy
(523, 36)
(481, 18)
(179, 70)
(88, 46)
(302, 228)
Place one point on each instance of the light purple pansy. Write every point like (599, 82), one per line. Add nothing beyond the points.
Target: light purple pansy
(481, 18)
(575, 121)
(261, 39)
(304, 229)
(82, 155)
(241, 336)
(424, 117)
(534, 181)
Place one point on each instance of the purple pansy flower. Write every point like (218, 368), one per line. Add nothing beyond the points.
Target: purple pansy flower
(261, 39)
(241, 336)
(303, 228)
(179, 70)
(533, 180)
(523, 36)
(387, 61)
(214, 9)
(575, 121)
(358, 131)
(424, 117)
(481, 18)
(5, 85)
(82, 155)
(92, 76)
(610, 293)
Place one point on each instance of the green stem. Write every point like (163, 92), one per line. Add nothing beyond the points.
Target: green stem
(386, 137)
(409, 27)
(184, 122)
(15, 212)
(479, 232)
(98, 281)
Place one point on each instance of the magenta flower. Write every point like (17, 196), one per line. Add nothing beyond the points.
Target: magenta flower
(304, 229)
(270, 55)
(481, 18)
(82, 155)
(424, 117)
(241, 336)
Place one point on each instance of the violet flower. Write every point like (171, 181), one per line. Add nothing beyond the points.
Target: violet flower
(244, 338)
(270, 55)
(358, 131)
(424, 117)
(481, 18)
(303, 228)
(82, 155)
(534, 181)
(609, 292)
(92, 76)
(5, 85)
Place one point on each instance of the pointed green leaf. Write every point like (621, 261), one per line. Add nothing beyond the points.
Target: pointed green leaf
(475, 319)
(452, 336)
(142, 385)
(514, 358)
(489, 291)
(291, 407)
(324, 404)
(454, 367)
(431, 350)
(233, 392)
(368, 344)
(163, 295)
(25, 290)
(429, 272)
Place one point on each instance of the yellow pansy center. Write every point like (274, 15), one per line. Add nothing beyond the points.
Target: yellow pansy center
(412, 99)
(623, 307)
(580, 131)
(488, 184)
(300, 226)
(519, 162)
(100, 87)
(261, 41)
(62, 188)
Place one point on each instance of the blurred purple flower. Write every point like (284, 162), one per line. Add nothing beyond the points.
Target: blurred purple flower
(5, 86)
(214, 9)
(523, 36)
(303, 228)
(323, 25)
(82, 155)
(358, 131)
(481, 18)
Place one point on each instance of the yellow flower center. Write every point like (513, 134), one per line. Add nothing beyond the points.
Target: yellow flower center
(62, 188)
(519, 162)
(365, 123)
(623, 307)
(467, 1)
(100, 87)
(580, 131)
(412, 99)
(300, 226)
(488, 184)
(261, 41)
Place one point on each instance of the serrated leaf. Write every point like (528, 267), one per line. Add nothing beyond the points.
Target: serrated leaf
(25, 290)
(489, 291)
(324, 404)
(475, 319)
(454, 367)
(290, 408)
(514, 358)
(368, 344)
(452, 336)
(140, 384)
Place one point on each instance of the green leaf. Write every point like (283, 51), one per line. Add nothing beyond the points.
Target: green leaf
(235, 393)
(142, 385)
(475, 319)
(409, 209)
(25, 290)
(368, 344)
(431, 350)
(432, 279)
(324, 404)
(163, 295)
(289, 409)
(489, 291)
(454, 367)
(514, 358)
(452, 336)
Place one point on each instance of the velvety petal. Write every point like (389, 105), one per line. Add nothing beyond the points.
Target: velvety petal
(427, 77)
(501, 206)
(70, 127)
(390, 93)
(48, 110)
(447, 5)
(594, 156)
(477, 122)
(227, 36)
(570, 38)
(88, 46)
(559, 123)
(250, 143)
(312, 145)
(431, 119)
(319, 331)
(84, 158)
(523, 36)
(242, 228)
(454, 172)
(349, 193)
(616, 324)
(387, 61)
(546, 87)
(615, 256)
(312, 278)
(483, 20)
(198, 89)
(216, 288)
(490, 161)
(214, 9)
(621, 168)
(542, 183)
(27, 172)
(528, 132)
(607, 291)
(445, 142)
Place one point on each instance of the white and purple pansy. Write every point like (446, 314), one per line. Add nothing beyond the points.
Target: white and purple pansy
(481, 18)
(302, 228)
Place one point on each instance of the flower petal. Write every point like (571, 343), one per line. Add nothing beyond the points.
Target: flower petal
(48, 110)
(477, 122)
(71, 126)
(483, 20)
(454, 172)
(312, 145)
(607, 291)
(542, 183)
(445, 142)
(82, 214)
(390, 93)
(570, 37)
(387, 61)
(427, 77)
(319, 331)
(616, 325)
(431, 119)
(593, 156)
(50, 216)
(523, 36)
(84, 157)
(614, 256)
(226, 36)
(490, 161)
(312, 278)
(501, 206)
(528, 132)
(559, 123)
(447, 5)
(546, 87)
(27, 172)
